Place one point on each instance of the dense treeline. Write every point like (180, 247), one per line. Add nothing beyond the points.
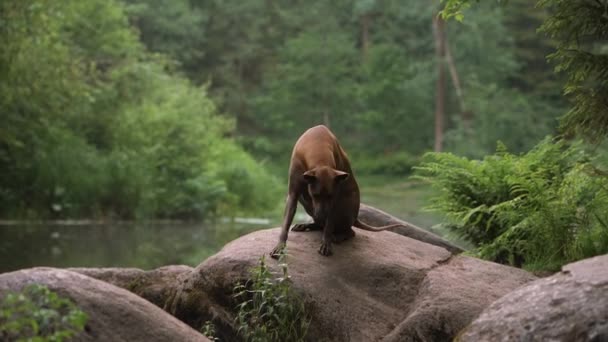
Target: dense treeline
(365, 67)
(95, 125)
(142, 108)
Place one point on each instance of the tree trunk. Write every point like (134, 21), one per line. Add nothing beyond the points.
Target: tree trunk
(454, 75)
(465, 115)
(365, 40)
(439, 33)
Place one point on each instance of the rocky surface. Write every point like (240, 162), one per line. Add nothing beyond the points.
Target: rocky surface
(155, 285)
(114, 314)
(569, 306)
(377, 286)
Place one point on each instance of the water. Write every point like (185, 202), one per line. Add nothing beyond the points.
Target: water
(141, 245)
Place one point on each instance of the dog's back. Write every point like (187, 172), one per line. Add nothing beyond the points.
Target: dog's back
(319, 146)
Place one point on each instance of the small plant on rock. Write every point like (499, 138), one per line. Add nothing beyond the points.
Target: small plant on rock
(208, 330)
(268, 309)
(39, 314)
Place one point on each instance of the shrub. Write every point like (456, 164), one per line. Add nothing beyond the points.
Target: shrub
(208, 330)
(251, 188)
(38, 314)
(539, 210)
(95, 125)
(268, 309)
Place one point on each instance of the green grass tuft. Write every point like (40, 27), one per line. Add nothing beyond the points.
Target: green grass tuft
(268, 309)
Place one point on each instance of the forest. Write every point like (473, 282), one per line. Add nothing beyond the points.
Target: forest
(156, 109)
(144, 152)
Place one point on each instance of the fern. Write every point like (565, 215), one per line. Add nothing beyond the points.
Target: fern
(538, 210)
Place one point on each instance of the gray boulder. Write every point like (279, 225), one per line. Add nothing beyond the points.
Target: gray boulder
(114, 314)
(569, 306)
(154, 286)
(376, 286)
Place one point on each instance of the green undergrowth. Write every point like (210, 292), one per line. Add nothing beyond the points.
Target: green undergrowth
(268, 307)
(38, 314)
(208, 330)
(537, 210)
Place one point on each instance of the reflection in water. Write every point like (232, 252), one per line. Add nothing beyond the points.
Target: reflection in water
(141, 245)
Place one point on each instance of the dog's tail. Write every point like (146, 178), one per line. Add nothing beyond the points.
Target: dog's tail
(366, 226)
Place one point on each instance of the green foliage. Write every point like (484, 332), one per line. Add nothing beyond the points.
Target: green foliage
(170, 134)
(208, 330)
(94, 125)
(269, 310)
(454, 8)
(250, 187)
(535, 76)
(38, 314)
(394, 101)
(172, 27)
(546, 207)
(313, 82)
(541, 209)
(497, 114)
(500, 101)
(123, 108)
(580, 31)
(286, 67)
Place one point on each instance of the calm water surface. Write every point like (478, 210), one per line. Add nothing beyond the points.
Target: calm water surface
(142, 245)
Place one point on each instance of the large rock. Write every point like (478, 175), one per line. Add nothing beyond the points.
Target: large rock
(377, 286)
(114, 314)
(154, 286)
(569, 306)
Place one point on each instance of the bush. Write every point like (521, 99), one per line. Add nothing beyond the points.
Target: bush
(97, 126)
(38, 314)
(268, 309)
(539, 210)
(251, 188)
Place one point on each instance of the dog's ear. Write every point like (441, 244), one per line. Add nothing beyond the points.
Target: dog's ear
(340, 177)
(309, 176)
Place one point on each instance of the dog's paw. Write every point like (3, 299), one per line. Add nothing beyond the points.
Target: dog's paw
(277, 251)
(325, 249)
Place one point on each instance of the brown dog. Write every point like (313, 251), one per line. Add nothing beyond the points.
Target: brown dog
(320, 178)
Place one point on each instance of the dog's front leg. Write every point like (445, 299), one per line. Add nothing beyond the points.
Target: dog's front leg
(328, 234)
(290, 211)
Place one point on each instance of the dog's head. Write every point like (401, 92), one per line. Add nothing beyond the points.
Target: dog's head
(323, 187)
